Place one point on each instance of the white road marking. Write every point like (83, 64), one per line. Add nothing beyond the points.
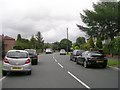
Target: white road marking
(2, 78)
(60, 65)
(79, 80)
(55, 60)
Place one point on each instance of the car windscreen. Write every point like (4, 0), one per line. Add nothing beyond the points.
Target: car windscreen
(17, 55)
(94, 54)
(79, 52)
(62, 50)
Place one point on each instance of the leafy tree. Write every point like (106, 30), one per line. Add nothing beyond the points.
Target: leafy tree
(47, 45)
(80, 41)
(40, 41)
(55, 46)
(92, 45)
(99, 43)
(102, 21)
(33, 42)
(64, 43)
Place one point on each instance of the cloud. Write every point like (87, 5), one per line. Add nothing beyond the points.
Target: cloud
(50, 17)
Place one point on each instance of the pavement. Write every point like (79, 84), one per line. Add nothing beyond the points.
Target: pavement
(57, 71)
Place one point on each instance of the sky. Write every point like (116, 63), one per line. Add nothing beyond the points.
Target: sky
(50, 17)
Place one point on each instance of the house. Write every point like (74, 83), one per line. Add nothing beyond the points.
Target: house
(8, 42)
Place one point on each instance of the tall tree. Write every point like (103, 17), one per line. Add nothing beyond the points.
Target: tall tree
(33, 42)
(40, 40)
(19, 37)
(102, 21)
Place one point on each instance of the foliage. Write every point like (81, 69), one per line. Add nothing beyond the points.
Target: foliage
(99, 43)
(64, 43)
(91, 43)
(102, 21)
(40, 41)
(47, 45)
(80, 41)
(19, 37)
(113, 47)
(55, 46)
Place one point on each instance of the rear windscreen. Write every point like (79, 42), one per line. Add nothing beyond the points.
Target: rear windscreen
(17, 55)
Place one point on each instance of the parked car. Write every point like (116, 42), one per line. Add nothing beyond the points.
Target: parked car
(75, 54)
(48, 51)
(92, 58)
(62, 52)
(16, 61)
(33, 55)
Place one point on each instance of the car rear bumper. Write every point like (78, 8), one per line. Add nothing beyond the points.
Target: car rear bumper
(21, 68)
(95, 63)
(62, 53)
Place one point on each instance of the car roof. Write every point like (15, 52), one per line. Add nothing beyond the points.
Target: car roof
(18, 50)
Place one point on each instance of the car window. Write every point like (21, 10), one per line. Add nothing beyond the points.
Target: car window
(17, 55)
(95, 54)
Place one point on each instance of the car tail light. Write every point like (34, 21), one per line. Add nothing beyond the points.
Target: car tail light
(36, 56)
(28, 61)
(5, 60)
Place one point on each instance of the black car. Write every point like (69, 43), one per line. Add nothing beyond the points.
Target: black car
(33, 56)
(75, 54)
(92, 58)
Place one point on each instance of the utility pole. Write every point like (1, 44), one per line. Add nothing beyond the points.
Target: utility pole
(67, 40)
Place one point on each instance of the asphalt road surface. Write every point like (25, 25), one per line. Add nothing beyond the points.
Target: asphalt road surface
(57, 71)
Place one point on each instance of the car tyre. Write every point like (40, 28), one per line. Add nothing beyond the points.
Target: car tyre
(85, 64)
(4, 73)
(29, 73)
(104, 66)
(77, 62)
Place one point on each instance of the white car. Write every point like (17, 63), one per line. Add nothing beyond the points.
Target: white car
(48, 51)
(62, 52)
(16, 61)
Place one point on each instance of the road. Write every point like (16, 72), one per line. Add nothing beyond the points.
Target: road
(57, 71)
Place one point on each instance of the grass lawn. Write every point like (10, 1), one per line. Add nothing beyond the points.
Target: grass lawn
(112, 62)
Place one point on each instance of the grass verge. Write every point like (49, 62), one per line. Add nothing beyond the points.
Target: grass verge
(112, 62)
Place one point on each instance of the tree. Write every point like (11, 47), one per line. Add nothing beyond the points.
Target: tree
(102, 21)
(99, 43)
(80, 41)
(19, 37)
(64, 43)
(33, 42)
(40, 41)
(92, 45)
(55, 46)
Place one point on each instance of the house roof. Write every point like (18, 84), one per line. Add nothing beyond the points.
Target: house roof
(6, 37)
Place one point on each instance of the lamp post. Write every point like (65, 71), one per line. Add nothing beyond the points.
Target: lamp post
(67, 40)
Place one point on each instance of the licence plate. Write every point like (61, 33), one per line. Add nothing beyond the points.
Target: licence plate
(99, 61)
(16, 68)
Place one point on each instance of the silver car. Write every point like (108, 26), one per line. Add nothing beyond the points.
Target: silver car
(16, 61)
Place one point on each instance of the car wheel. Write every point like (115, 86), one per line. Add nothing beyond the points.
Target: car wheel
(36, 62)
(85, 64)
(29, 73)
(104, 66)
(77, 62)
(4, 73)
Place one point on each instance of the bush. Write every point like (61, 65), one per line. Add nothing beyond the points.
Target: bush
(113, 47)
